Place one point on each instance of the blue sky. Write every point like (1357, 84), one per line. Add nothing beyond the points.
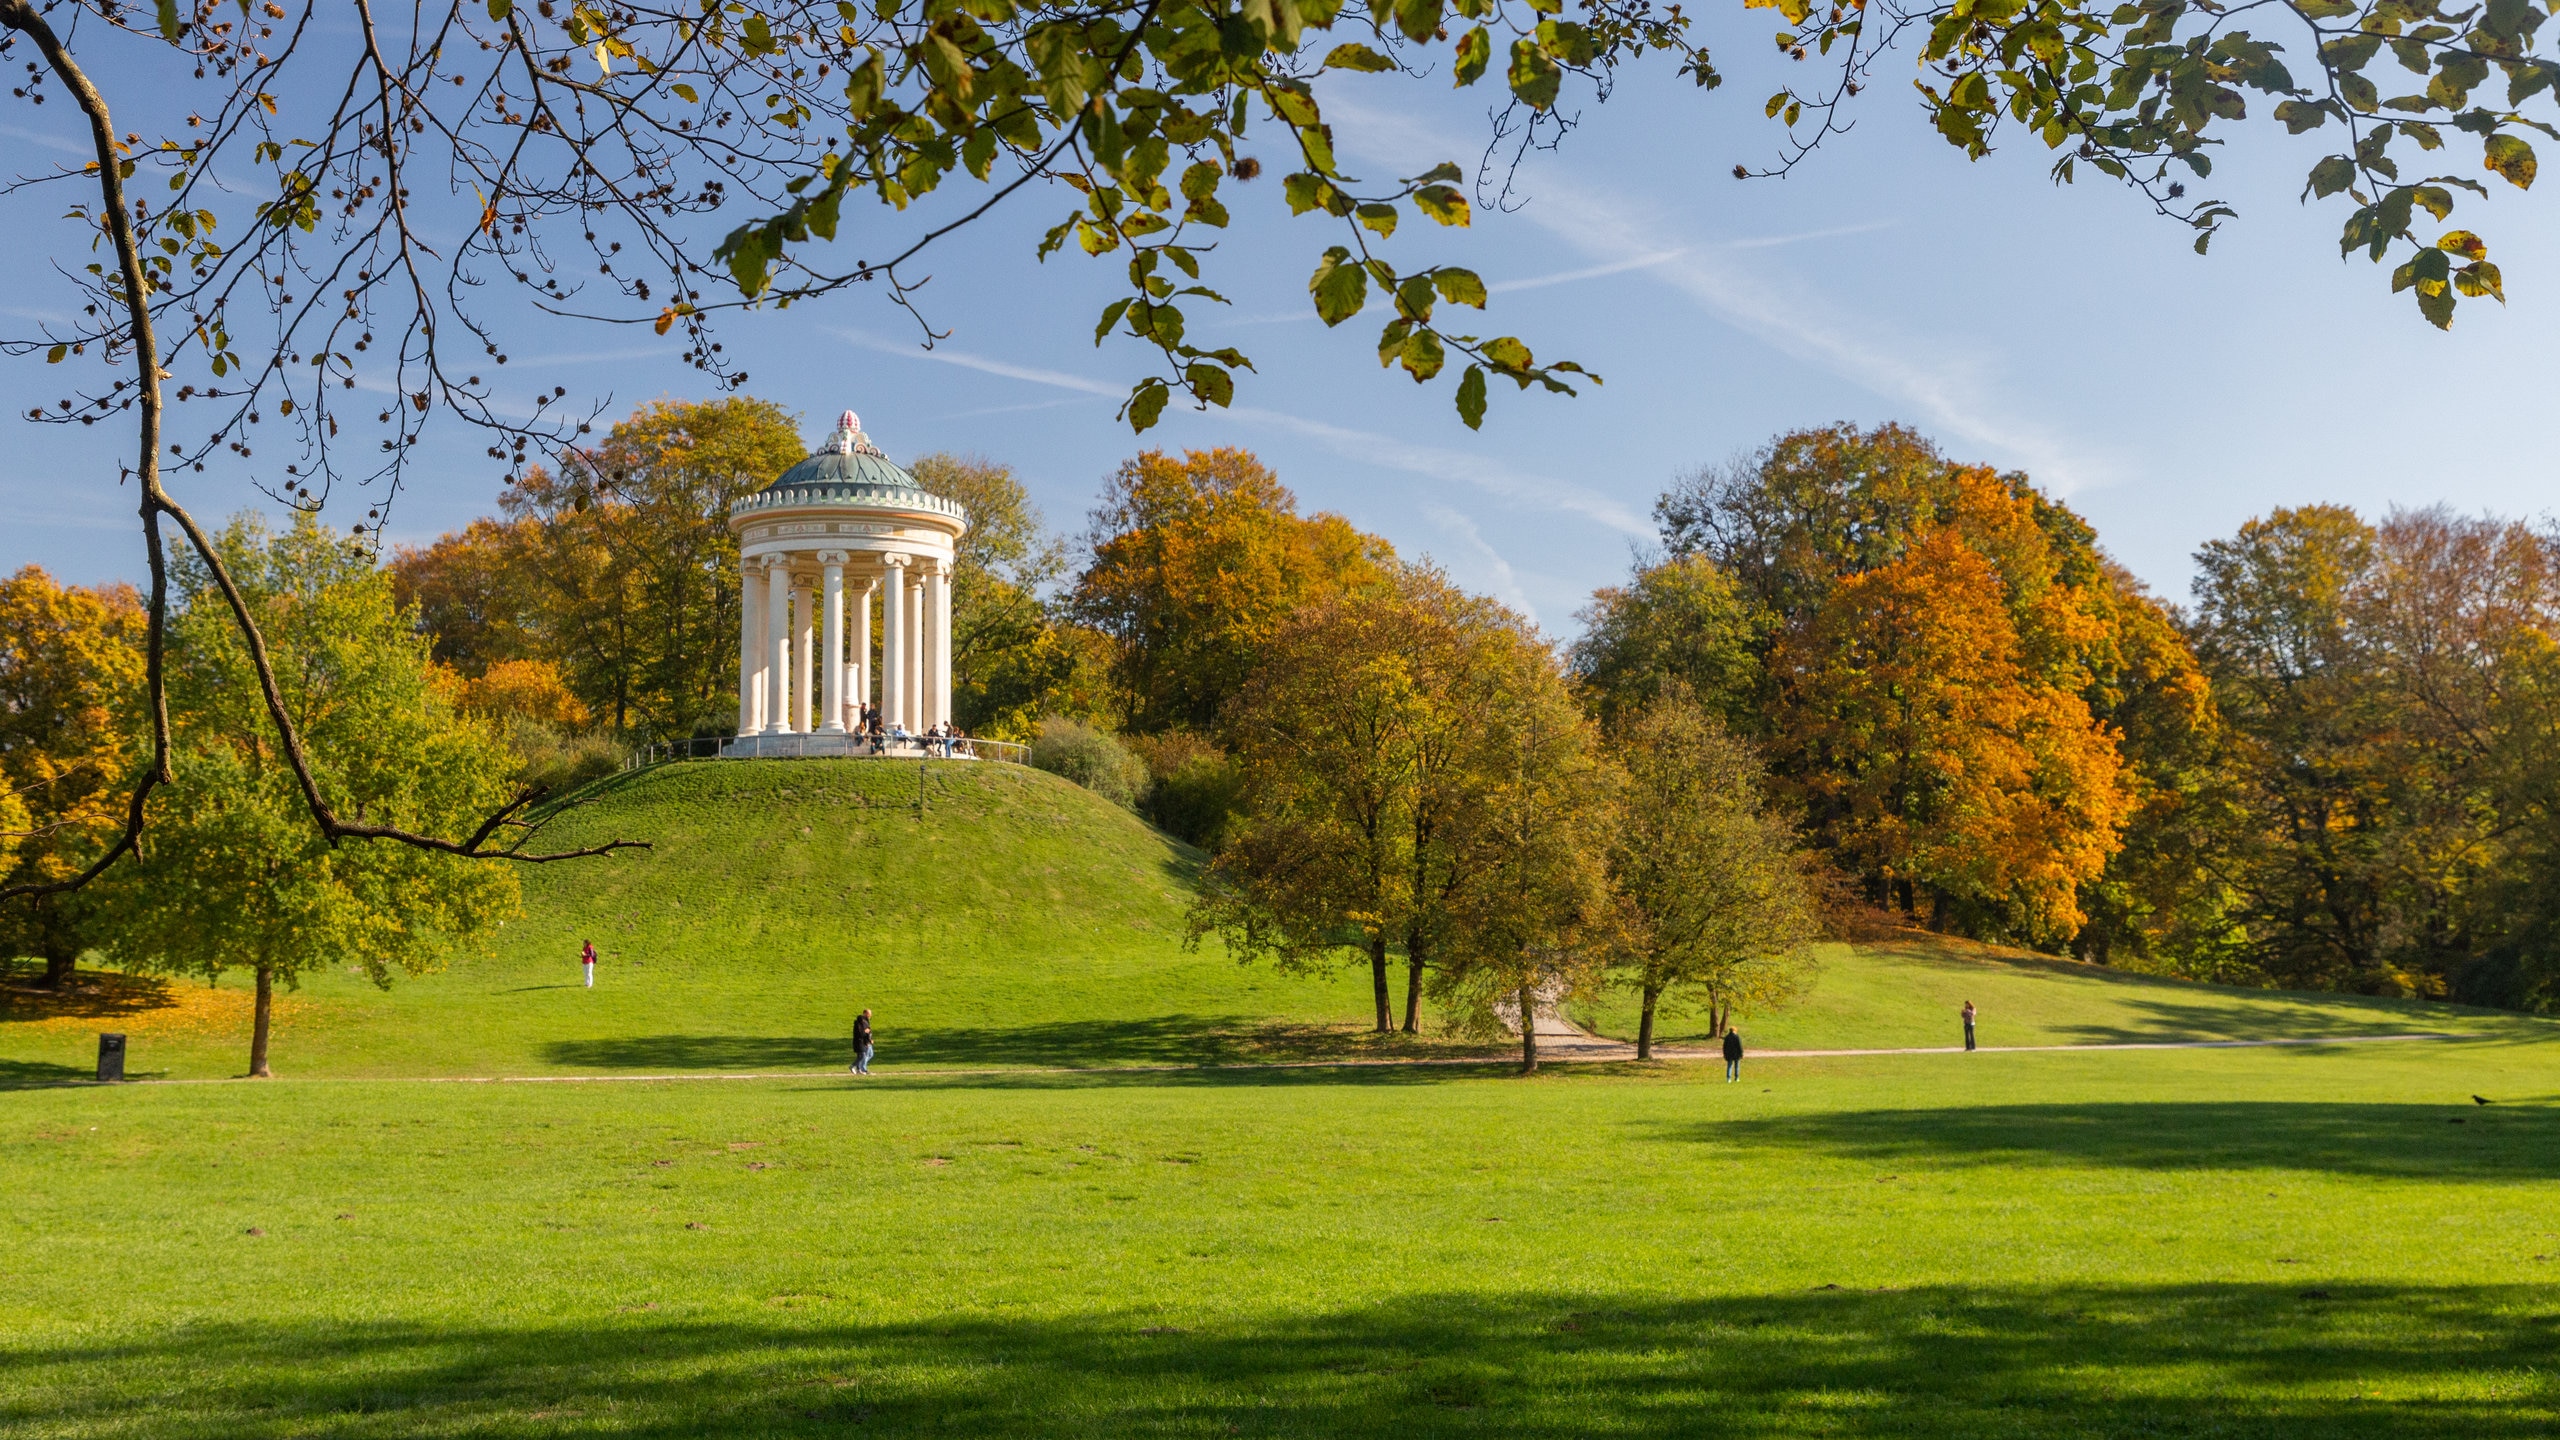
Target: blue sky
(2065, 332)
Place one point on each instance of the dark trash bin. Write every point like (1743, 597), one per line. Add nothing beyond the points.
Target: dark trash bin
(110, 1057)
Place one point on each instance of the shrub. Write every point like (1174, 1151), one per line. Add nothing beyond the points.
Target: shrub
(1093, 759)
(558, 760)
(1195, 789)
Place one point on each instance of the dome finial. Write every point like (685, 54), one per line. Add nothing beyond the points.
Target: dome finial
(848, 433)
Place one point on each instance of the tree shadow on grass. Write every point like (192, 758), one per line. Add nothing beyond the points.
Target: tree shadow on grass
(41, 1075)
(1159, 1040)
(88, 995)
(2221, 1360)
(2288, 1017)
(2500, 1142)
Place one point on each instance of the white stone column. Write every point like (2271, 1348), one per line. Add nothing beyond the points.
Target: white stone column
(912, 680)
(893, 638)
(831, 717)
(750, 648)
(937, 645)
(804, 639)
(777, 645)
(860, 662)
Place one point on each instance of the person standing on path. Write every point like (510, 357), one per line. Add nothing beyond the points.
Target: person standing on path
(1732, 1054)
(587, 960)
(1968, 1024)
(862, 1043)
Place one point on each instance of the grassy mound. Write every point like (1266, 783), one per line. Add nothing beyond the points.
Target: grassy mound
(988, 914)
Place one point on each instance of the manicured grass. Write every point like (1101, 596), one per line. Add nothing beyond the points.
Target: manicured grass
(2185, 1243)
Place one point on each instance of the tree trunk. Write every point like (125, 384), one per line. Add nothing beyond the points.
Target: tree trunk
(1528, 1031)
(258, 1031)
(1378, 978)
(1413, 968)
(59, 962)
(1644, 1026)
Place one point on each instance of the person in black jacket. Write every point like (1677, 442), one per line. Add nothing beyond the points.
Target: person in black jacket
(1732, 1054)
(862, 1043)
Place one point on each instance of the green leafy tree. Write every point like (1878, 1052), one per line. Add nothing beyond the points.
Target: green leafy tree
(1092, 758)
(232, 875)
(1533, 919)
(2386, 695)
(1682, 622)
(630, 564)
(1718, 906)
(1351, 735)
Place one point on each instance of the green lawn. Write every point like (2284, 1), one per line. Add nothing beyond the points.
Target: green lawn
(2262, 1242)
(2185, 1243)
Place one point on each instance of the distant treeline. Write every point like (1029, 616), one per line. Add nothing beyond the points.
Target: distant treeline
(2337, 768)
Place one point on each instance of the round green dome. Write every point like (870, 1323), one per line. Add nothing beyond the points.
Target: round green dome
(849, 469)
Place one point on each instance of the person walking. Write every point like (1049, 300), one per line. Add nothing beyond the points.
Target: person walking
(862, 1043)
(1732, 1054)
(1968, 1024)
(587, 959)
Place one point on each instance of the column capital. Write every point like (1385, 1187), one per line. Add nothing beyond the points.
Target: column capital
(831, 557)
(897, 559)
(775, 561)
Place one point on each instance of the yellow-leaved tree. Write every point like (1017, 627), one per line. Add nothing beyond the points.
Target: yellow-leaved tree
(70, 686)
(1195, 562)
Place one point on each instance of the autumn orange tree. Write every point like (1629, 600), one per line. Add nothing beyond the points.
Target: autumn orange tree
(70, 663)
(1195, 561)
(1812, 512)
(1929, 759)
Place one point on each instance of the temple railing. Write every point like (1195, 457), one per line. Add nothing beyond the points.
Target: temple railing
(827, 747)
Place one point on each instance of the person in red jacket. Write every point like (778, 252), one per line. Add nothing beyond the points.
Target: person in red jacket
(587, 958)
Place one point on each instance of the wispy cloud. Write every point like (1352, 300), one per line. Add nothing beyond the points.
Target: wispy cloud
(1437, 462)
(1593, 272)
(1506, 581)
(1458, 466)
(1001, 409)
(595, 357)
(1945, 389)
(985, 365)
(49, 142)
